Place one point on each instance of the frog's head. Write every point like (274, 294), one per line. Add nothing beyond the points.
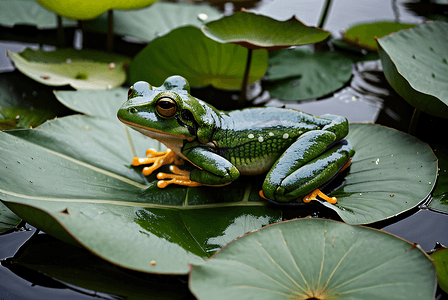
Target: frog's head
(167, 113)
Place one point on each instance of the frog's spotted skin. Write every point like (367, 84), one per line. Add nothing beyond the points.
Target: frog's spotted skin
(299, 152)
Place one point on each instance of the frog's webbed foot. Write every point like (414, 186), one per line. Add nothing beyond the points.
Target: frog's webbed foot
(157, 159)
(313, 196)
(180, 177)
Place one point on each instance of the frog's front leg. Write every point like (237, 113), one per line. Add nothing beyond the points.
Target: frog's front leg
(305, 166)
(213, 169)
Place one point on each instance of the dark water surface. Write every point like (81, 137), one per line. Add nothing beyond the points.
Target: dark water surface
(367, 98)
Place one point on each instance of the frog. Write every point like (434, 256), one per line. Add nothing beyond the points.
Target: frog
(298, 152)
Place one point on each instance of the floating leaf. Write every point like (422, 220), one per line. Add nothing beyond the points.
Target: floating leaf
(87, 9)
(391, 173)
(300, 73)
(440, 196)
(8, 219)
(86, 69)
(29, 12)
(440, 258)
(72, 179)
(415, 63)
(199, 59)
(363, 35)
(77, 266)
(316, 259)
(25, 103)
(262, 32)
(157, 20)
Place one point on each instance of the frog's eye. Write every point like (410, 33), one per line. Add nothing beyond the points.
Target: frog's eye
(166, 107)
(131, 89)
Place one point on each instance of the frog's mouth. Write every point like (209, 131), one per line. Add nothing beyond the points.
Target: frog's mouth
(161, 136)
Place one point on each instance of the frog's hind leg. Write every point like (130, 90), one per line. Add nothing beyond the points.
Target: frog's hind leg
(156, 159)
(287, 183)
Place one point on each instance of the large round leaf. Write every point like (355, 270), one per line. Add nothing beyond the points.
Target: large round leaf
(415, 63)
(29, 12)
(440, 195)
(71, 177)
(86, 69)
(391, 173)
(187, 52)
(262, 32)
(157, 20)
(88, 9)
(8, 219)
(440, 258)
(316, 259)
(301, 73)
(363, 35)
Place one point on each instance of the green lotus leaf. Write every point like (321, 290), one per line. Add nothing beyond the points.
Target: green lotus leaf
(262, 32)
(8, 219)
(440, 196)
(86, 9)
(77, 266)
(86, 69)
(363, 35)
(29, 12)
(72, 179)
(316, 259)
(301, 73)
(440, 258)
(187, 52)
(391, 173)
(386, 178)
(157, 20)
(415, 63)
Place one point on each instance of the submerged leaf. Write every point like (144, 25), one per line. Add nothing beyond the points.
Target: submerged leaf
(300, 73)
(86, 69)
(315, 259)
(439, 199)
(262, 32)
(363, 35)
(415, 63)
(187, 52)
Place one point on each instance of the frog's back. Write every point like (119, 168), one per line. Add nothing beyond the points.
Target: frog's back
(253, 139)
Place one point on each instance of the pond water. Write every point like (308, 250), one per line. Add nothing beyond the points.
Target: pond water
(367, 98)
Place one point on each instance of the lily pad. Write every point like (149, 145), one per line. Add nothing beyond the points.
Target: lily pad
(157, 20)
(8, 219)
(72, 179)
(86, 69)
(29, 12)
(316, 259)
(363, 35)
(391, 173)
(77, 266)
(300, 73)
(262, 32)
(415, 63)
(440, 258)
(440, 196)
(187, 52)
(87, 9)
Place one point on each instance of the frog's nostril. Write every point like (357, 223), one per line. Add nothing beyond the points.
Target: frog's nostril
(132, 110)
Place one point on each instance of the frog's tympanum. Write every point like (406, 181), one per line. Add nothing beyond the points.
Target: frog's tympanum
(299, 152)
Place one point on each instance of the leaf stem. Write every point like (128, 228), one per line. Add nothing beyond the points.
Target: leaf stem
(110, 30)
(60, 32)
(414, 121)
(324, 13)
(243, 96)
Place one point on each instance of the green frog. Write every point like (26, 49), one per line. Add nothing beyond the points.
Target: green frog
(298, 151)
